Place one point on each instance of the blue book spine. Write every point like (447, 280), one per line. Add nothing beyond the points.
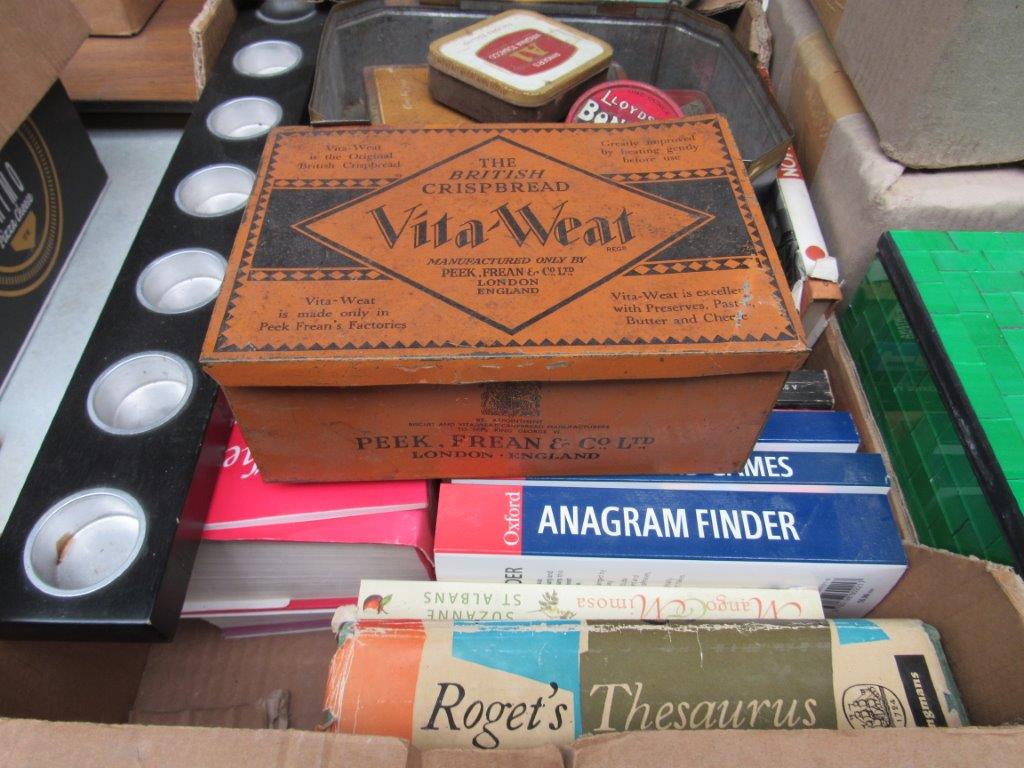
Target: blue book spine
(813, 431)
(846, 546)
(862, 473)
(715, 525)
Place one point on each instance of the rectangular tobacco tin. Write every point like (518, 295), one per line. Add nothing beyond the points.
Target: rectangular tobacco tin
(515, 59)
(495, 300)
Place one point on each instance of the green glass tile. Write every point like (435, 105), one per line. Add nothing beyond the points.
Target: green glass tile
(960, 261)
(921, 265)
(982, 329)
(925, 436)
(931, 400)
(955, 339)
(1014, 338)
(1005, 260)
(874, 318)
(960, 472)
(938, 299)
(998, 282)
(918, 378)
(918, 477)
(1015, 405)
(1018, 299)
(850, 323)
(1004, 309)
(942, 481)
(985, 397)
(976, 241)
(949, 439)
(942, 537)
(1006, 371)
(965, 291)
(986, 527)
(998, 551)
(918, 455)
(919, 240)
(953, 510)
(1012, 240)
(1006, 440)
(967, 540)
(1017, 486)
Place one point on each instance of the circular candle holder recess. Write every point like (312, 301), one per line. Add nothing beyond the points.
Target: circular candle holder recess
(267, 58)
(84, 542)
(244, 118)
(181, 281)
(140, 393)
(215, 190)
(285, 11)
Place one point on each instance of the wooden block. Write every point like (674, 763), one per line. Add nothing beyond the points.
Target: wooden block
(157, 65)
(116, 17)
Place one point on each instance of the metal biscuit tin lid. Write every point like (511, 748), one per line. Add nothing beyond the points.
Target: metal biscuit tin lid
(521, 57)
(501, 253)
(623, 101)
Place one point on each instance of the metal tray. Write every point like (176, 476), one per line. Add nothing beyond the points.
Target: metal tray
(697, 54)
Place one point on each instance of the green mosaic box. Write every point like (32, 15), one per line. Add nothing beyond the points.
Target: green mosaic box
(937, 333)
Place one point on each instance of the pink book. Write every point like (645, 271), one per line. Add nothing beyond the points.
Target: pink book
(267, 543)
(245, 506)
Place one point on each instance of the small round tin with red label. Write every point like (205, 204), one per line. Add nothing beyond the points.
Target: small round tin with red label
(623, 101)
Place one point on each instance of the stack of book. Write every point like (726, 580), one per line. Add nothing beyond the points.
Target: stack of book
(806, 510)
(281, 557)
(585, 605)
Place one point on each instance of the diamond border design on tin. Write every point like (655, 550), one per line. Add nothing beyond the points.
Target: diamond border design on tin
(260, 210)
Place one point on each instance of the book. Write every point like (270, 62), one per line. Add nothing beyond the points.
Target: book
(471, 601)
(281, 542)
(807, 390)
(846, 546)
(275, 616)
(817, 431)
(491, 685)
(856, 473)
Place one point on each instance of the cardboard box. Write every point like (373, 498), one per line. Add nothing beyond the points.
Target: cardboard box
(116, 17)
(858, 191)
(535, 300)
(956, 100)
(36, 40)
(977, 607)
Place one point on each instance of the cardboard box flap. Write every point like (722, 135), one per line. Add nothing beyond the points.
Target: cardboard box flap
(534, 757)
(36, 40)
(31, 742)
(979, 599)
(378, 256)
(201, 672)
(84, 745)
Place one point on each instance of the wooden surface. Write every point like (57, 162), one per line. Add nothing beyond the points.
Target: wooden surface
(154, 66)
